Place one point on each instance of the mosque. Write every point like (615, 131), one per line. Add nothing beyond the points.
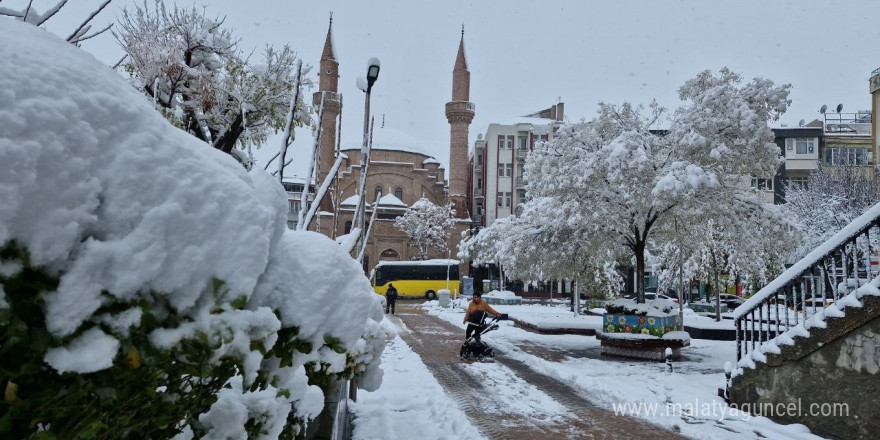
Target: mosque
(399, 173)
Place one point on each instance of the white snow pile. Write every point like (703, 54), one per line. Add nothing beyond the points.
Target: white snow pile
(501, 294)
(802, 330)
(658, 308)
(123, 208)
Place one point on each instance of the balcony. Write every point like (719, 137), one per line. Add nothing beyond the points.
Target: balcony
(521, 154)
(520, 182)
(848, 123)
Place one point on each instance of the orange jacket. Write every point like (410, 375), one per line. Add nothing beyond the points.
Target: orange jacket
(483, 305)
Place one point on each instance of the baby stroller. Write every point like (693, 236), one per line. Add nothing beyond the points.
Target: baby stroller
(473, 347)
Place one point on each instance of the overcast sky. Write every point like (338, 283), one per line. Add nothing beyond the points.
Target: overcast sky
(526, 55)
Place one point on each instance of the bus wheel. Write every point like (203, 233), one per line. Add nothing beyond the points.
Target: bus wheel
(430, 295)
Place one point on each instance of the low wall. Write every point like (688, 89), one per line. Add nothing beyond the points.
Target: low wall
(828, 381)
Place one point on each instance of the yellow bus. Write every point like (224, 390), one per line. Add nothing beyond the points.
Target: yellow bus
(416, 278)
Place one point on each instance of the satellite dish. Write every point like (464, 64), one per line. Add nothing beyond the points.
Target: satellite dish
(822, 110)
(801, 123)
(479, 136)
(839, 107)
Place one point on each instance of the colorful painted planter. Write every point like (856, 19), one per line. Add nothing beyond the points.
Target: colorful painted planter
(646, 325)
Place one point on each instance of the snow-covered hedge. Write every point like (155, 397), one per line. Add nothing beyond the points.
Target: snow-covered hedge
(657, 307)
(148, 285)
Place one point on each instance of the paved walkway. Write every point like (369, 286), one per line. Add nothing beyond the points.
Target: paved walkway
(438, 343)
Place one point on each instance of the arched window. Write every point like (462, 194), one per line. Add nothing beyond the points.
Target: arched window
(389, 254)
(398, 192)
(378, 191)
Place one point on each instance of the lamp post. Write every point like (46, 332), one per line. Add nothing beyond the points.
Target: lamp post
(366, 85)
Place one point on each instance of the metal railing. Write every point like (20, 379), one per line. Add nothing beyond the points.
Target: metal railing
(839, 266)
(520, 182)
(521, 154)
(863, 117)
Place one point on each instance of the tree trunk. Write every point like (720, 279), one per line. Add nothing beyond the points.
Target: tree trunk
(639, 250)
(717, 289)
(226, 142)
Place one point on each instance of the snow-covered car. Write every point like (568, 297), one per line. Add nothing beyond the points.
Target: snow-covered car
(732, 301)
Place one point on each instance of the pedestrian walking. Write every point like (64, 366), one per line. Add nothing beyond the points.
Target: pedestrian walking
(390, 298)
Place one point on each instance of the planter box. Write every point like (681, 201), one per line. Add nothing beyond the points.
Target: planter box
(645, 325)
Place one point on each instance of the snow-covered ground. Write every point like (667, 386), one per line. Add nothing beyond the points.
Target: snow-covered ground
(683, 401)
(410, 404)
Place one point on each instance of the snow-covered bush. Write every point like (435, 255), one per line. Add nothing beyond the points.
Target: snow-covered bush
(148, 285)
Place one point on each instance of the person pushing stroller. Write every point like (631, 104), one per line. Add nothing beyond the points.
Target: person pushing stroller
(476, 311)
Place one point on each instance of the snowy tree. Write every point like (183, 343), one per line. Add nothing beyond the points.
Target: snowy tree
(190, 66)
(829, 200)
(610, 184)
(427, 225)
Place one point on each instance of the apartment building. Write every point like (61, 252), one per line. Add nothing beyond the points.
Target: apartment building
(496, 182)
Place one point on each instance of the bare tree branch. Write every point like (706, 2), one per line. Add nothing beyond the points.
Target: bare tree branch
(51, 12)
(27, 11)
(75, 35)
(81, 39)
(118, 63)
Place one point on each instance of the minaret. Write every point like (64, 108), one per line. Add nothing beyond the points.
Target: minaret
(328, 83)
(459, 113)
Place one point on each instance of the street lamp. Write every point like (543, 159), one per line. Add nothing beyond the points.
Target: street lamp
(366, 85)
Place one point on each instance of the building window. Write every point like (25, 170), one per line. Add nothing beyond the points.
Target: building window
(500, 170)
(398, 192)
(479, 184)
(500, 199)
(480, 158)
(836, 154)
(293, 206)
(510, 142)
(507, 199)
(523, 143)
(509, 167)
(797, 182)
(762, 184)
(500, 142)
(801, 145)
(348, 226)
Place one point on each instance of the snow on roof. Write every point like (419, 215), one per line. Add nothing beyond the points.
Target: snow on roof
(434, 262)
(431, 160)
(351, 201)
(526, 120)
(293, 179)
(389, 139)
(390, 200)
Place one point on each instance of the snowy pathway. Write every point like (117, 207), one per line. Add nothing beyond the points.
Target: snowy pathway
(506, 399)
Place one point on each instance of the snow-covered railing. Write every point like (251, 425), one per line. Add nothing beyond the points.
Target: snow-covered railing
(845, 262)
